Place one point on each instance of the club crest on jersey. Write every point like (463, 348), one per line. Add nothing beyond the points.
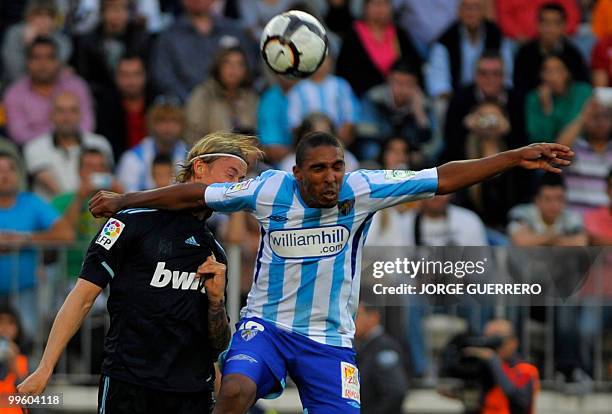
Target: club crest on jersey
(398, 174)
(241, 186)
(110, 233)
(350, 381)
(346, 206)
(250, 329)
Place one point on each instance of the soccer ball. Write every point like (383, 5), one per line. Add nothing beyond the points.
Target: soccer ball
(294, 43)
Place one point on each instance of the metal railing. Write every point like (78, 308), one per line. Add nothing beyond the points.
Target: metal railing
(77, 364)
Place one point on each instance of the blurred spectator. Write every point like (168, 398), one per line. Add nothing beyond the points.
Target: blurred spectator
(255, 14)
(601, 62)
(53, 158)
(425, 20)
(488, 86)
(387, 228)
(28, 101)
(94, 174)
(590, 138)
(373, 44)
(397, 108)
(513, 384)
(489, 128)
(166, 122)
(40, 20)
(436, 222)
(225, 101)
(547, 221)
(598, 222)
(556, 102)
(97, 53)
(24, 219)
(602, 18)
(122, 109)
(273, 121)
(185, 51)
(162, 171)
(13, 361)
(552, 23)
(517, 18)
(453, 58)
(379, 356)
(329, 94)
(316, 122)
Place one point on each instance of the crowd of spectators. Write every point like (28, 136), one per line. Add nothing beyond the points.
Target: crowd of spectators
(110, 94)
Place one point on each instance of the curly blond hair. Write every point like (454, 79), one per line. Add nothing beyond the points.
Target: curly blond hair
(243, 146)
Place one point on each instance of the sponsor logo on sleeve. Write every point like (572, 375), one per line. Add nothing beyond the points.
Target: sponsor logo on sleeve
(398, 174)
(110, 233)
(237, 187)
(350, 381)
(309, 243)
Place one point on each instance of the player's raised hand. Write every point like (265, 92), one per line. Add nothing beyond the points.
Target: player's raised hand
(34, 384)
(213, 273)
(544, 156)
(105, 203)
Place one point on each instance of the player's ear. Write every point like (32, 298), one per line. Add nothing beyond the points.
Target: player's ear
(297, 173)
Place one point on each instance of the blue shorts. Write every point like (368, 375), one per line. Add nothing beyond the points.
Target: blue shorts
(326, 376)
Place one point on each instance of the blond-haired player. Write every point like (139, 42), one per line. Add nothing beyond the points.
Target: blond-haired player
(166, 275)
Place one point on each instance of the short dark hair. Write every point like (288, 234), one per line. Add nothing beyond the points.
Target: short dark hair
(552, 6)
(314, 140)
(404, 66)
(491, 54)
(131, 56)
(41, 41)
(91, 151)
(161, 159)
(550, 179)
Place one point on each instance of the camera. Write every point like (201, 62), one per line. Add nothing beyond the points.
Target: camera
(458, 365)
(487, 121)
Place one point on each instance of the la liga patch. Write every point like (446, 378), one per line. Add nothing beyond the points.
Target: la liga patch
(350, 381)
(110, 233)
(241, 186)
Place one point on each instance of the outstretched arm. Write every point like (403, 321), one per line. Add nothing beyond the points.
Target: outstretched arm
(456, 175)
(67, 322)
(173, 197)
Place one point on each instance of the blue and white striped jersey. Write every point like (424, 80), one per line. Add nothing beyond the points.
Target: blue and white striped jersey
(307, 274)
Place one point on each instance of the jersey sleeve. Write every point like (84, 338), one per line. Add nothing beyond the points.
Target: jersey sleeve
(231, 197)
(106, 251)
(379, 189)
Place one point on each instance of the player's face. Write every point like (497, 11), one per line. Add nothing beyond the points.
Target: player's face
(320, 176)
(222, 170)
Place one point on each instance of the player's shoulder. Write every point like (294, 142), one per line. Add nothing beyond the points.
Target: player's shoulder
(140, 215)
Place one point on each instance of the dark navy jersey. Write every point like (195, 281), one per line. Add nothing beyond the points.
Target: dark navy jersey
(158, 334)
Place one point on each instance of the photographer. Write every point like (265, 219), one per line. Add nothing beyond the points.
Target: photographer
(13, 364)
(513, 384)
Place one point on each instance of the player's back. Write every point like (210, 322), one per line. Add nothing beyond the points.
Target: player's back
(158, 333)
